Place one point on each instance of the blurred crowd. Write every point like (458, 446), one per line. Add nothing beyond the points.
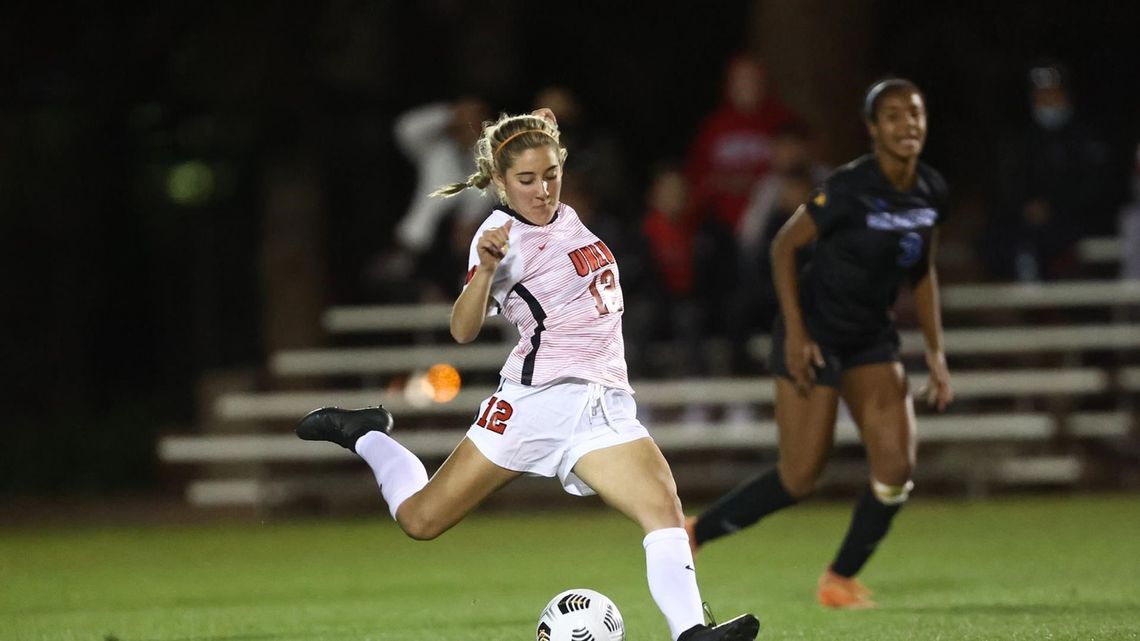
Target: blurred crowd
(189, 187)
(693, 244)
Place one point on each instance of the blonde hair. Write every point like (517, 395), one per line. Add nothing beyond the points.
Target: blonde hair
(500, 143)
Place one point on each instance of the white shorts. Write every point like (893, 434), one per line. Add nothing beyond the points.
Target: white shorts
(544, 430)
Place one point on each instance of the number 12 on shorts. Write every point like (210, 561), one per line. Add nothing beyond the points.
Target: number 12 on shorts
(496, 422)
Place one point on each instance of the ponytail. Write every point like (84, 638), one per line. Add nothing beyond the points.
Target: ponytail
(477, 180)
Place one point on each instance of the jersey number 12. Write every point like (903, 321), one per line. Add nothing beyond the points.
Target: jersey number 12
(496, 422)
(607, 293)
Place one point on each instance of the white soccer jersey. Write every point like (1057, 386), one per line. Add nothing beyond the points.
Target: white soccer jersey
(560, 286)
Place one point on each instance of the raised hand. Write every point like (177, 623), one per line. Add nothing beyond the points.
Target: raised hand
(493, 246)
(545, 112)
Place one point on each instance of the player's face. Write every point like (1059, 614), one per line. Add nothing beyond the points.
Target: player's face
(901, 128)
(533, 184)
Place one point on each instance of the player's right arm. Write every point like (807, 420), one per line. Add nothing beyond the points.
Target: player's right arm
(800, 351)
(470, 309)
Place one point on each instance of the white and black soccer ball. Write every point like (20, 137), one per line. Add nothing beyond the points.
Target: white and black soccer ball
(580, 615)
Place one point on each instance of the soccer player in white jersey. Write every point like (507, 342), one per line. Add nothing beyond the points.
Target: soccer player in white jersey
(564, 406)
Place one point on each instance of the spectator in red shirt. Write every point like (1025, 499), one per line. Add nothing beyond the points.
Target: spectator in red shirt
(670, 311)
(668, 233)
(733, 148)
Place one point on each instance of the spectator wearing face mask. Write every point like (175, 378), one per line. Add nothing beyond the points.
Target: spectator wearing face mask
(1053, 187)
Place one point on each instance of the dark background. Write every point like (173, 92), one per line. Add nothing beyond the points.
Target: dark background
(117, 298)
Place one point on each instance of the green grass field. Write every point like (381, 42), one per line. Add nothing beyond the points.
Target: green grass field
(1027, 569)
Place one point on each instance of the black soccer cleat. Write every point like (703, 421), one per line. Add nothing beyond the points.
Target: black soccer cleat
(743, 628)
(343, 427)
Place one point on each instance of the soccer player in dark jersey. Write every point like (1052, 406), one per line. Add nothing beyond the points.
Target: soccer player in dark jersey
(874, 225)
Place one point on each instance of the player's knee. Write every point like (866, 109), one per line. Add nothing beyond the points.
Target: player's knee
(896, 472)
(892, 494)
(673, 509)
(799, 482)
(662, 510)
(668, 508)
(421, 530)
(419, 526)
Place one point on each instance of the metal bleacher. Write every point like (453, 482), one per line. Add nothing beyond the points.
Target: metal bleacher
(1037, 401)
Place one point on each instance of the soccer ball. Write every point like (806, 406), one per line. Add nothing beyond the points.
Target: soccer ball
(580, 615)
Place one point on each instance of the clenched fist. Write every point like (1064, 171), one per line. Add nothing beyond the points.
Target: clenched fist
(493, 246)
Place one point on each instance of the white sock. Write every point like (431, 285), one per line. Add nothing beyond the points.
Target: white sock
(398, 472)
(673, 579)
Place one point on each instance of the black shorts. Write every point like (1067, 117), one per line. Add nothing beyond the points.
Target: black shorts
(837, 357)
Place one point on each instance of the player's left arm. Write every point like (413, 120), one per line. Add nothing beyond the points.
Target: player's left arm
(937, 391)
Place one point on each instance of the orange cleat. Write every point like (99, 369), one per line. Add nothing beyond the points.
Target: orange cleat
(691, 530)
(842, 593)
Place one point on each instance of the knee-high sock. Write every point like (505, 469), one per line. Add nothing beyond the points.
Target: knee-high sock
(743, 506)
(673, 578)
(869, 524)
(398, 472)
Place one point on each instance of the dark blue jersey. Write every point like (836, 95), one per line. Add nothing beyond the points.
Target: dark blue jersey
(871, 238)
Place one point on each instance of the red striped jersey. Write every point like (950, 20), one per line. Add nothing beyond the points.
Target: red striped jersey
(560, 286)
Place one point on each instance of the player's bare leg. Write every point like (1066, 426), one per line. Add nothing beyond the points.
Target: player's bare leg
(635, 479)
(806, 423)
(877, 396)
(464, 481)
(424, 509)
(881, 405)
(807, 428)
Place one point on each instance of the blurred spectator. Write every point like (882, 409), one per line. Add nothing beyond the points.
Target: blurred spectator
(772, 201)
(1054, 192)
(756, 304)
(437, 139)
(441, 269)
(667, 231)
(1130, 227)
(594, 154)
(733, 148)
(669, 308)
(732, 151)
(791, 151)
